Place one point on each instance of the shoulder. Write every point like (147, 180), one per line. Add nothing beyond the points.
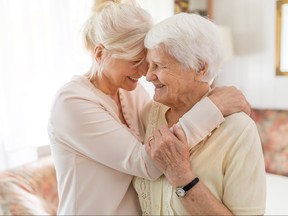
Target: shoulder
(78, 91)
(78, 96)
(238, 132)
(239, 122)
(78, 87)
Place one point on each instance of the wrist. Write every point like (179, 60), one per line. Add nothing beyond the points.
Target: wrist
(219, 106)
(214, 100)
(182, 180)
(181, 191)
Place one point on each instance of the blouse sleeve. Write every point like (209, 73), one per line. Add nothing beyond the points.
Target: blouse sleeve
(90, 129)
(200, 121)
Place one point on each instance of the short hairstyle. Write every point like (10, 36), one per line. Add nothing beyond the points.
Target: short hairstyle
(191, 39)
(120, 27)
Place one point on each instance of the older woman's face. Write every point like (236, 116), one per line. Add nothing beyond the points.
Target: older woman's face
(173, 85)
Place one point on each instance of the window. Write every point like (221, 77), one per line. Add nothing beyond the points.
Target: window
(281, 37)
(41, 49)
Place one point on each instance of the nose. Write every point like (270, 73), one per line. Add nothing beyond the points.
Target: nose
(150, 75)
(143, 68)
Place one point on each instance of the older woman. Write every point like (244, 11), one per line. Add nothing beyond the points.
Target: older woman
(184, 56)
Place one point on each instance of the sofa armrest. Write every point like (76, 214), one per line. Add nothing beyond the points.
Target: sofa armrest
(29, 189)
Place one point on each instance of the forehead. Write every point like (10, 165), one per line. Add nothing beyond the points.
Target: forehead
(160, 55)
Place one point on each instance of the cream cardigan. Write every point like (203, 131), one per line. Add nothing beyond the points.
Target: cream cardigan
(229, 162)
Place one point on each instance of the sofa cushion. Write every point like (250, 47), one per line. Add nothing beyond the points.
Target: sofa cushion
(29, 189)
(273, 129)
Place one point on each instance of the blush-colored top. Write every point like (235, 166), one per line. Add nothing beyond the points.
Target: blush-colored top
(96, 156)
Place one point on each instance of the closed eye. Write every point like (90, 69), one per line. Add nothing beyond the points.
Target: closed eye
(158, 66)
(137, 63)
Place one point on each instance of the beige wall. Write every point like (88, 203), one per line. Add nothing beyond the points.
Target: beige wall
(252, 23)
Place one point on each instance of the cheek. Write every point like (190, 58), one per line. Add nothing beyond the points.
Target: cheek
(171, 82)
(123, 70)
(117, 75)
(173, 92)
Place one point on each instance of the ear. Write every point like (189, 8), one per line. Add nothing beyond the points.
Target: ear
(98, 52)
(200, 73)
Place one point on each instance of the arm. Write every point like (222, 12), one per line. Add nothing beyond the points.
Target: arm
(95, 132)
(172, 157)
(207, 114)
(243, 181)
(243, 167)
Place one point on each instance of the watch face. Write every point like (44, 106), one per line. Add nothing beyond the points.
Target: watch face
(180, 192)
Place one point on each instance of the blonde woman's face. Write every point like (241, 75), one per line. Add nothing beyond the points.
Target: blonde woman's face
(123, 73)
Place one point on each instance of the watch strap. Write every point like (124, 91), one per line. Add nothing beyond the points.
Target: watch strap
(191, 184)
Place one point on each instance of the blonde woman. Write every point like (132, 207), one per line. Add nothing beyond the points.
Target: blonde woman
(95, 129)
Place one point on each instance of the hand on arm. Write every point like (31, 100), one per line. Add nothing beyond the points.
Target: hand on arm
(229, 100)
(207, 114)
(171, 155)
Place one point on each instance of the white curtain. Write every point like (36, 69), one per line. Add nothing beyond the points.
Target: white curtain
(159, 9)
(41, 48)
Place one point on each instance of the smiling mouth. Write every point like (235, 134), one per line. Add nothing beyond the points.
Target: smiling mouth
(132, 78)
(159, 85)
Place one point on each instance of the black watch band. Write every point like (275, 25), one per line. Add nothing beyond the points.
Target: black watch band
(182, 191)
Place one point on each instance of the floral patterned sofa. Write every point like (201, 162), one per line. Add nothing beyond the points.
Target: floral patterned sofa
(272, 125)
(273, 129)
(29, 190)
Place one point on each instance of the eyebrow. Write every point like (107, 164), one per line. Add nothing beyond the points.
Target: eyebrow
(156, 62)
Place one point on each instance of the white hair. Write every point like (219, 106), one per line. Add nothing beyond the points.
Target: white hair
(191, 39)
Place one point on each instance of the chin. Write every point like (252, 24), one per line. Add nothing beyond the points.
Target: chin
(157, 99)
(129, 88)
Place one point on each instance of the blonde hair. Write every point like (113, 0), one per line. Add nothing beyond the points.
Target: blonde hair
(120, 26)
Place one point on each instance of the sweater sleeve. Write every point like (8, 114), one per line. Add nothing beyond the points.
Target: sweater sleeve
(200, 121)
(92, 130)
(244, 177)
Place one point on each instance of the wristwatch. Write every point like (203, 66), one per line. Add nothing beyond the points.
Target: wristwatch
(181, 191)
